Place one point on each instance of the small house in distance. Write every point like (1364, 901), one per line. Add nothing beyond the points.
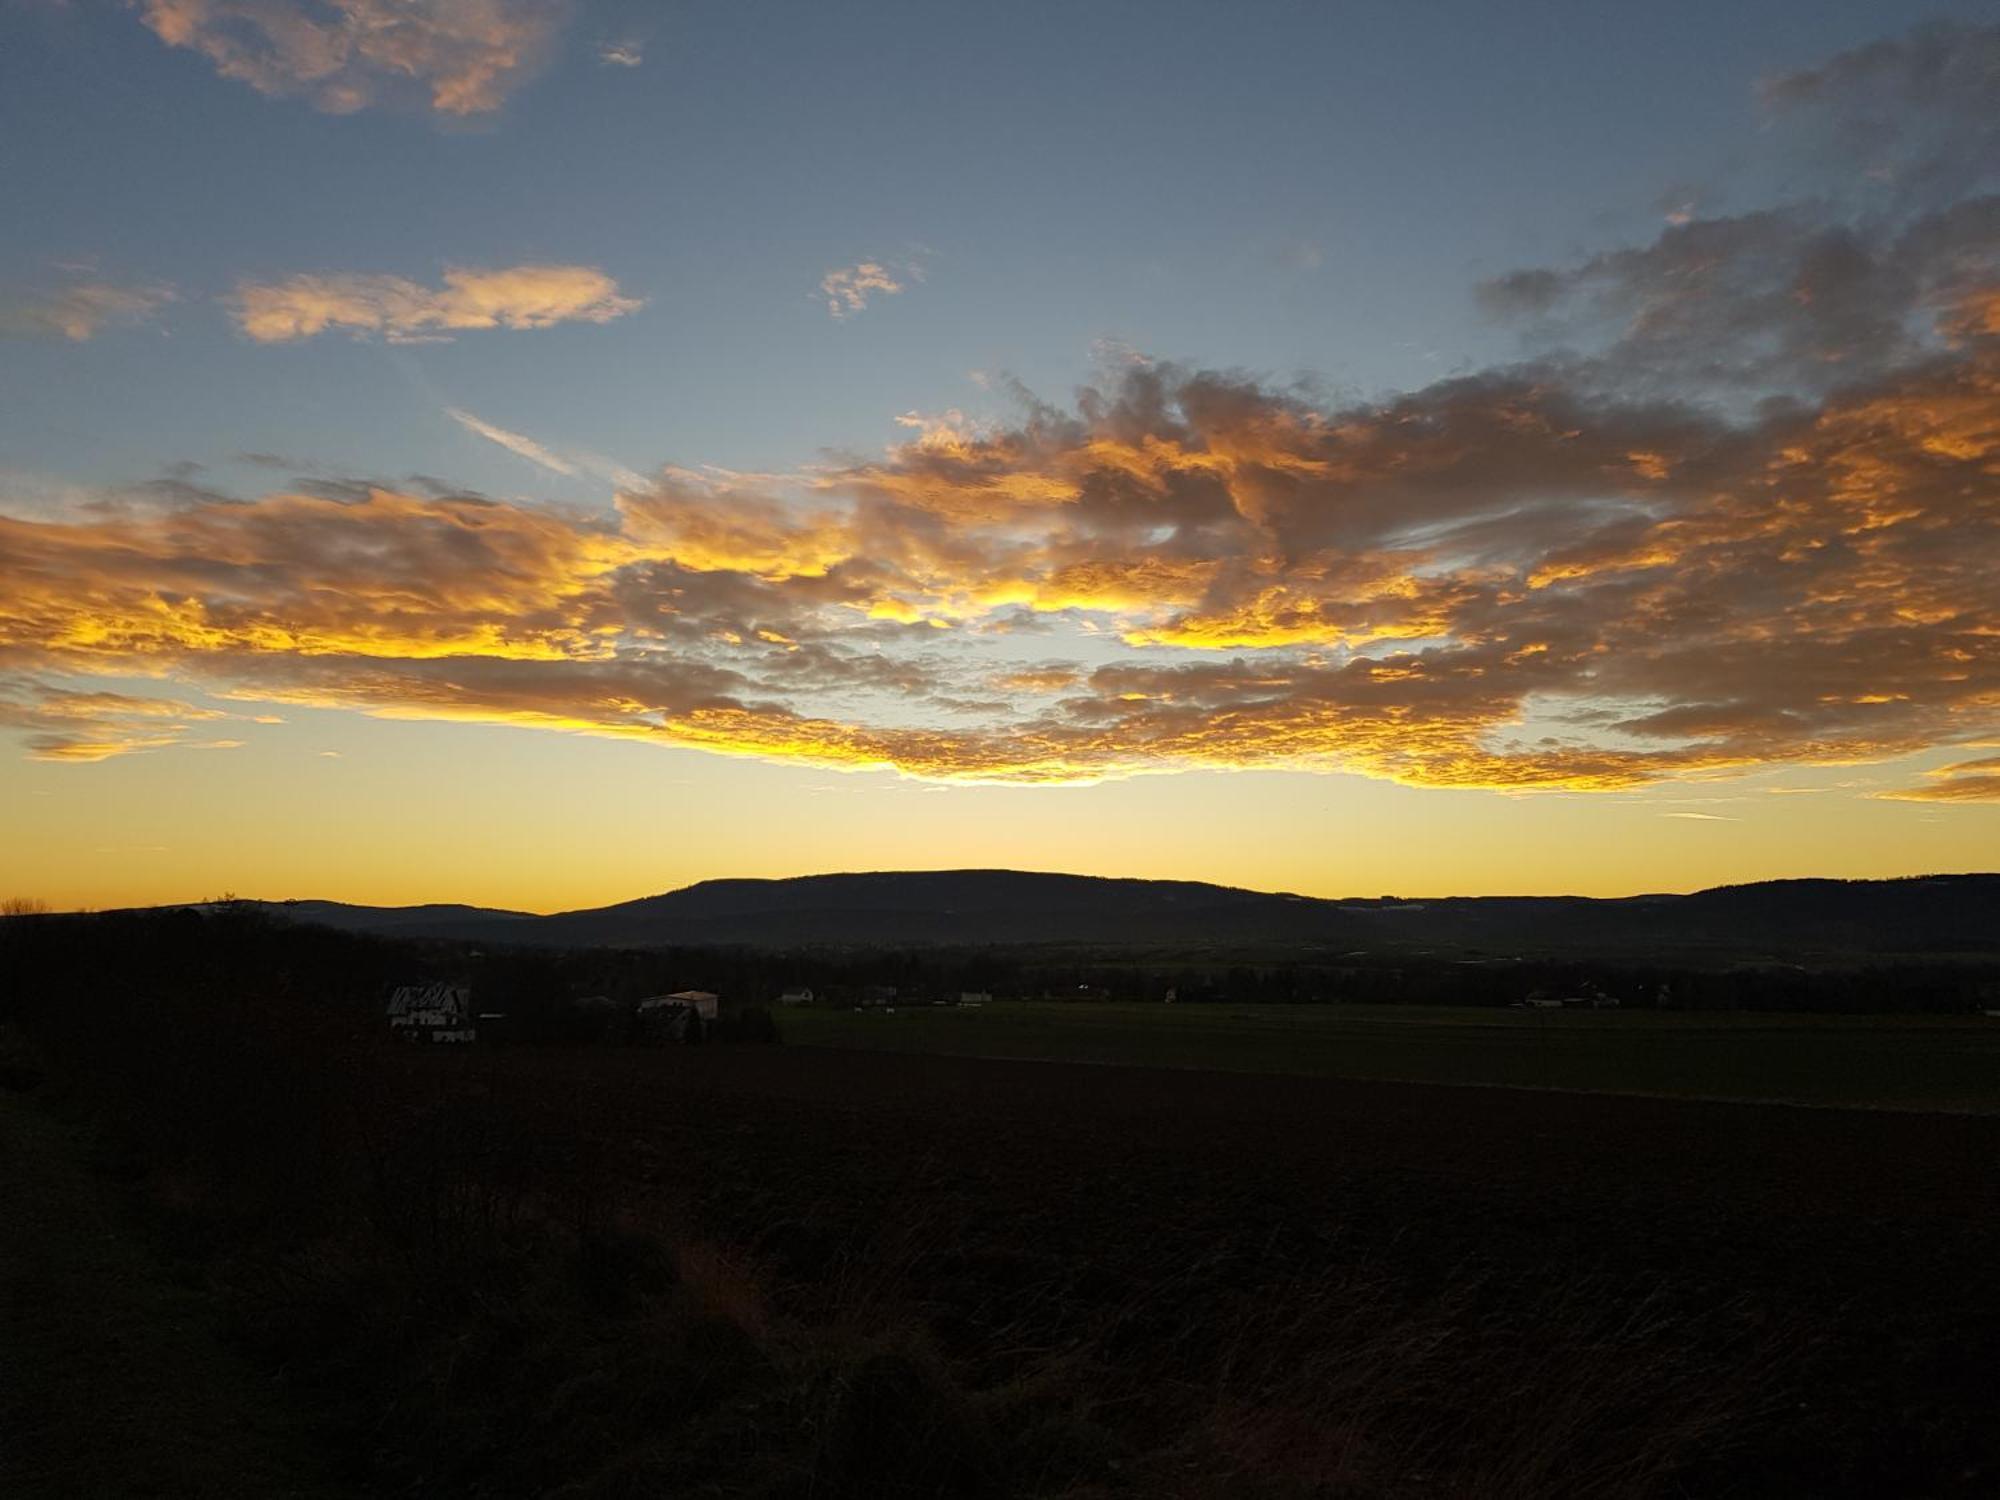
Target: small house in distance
(680, 1017)
(701, 1002)
(432, 1013)
(975, 997)
(1590, 998)
(803, 995)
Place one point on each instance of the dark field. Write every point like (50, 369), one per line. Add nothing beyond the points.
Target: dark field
(1208, 1283)
(283, 1254)
(1879, 1061)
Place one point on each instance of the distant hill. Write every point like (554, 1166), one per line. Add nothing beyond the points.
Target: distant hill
(396, 921)
(1782, 920)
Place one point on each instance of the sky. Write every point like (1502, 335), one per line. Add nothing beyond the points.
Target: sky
(542, 452)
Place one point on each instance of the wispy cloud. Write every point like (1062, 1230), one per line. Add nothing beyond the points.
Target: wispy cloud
(1695, 817)
(400, 310)
(629, 53)
(570, 462)
(1299, 254)
(66, 724)
(513, 442)
(456, 57)
(847, 289)
(78, 309)
(1967, 781)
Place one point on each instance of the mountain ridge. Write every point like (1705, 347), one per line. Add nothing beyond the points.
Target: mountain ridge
(1929, 913)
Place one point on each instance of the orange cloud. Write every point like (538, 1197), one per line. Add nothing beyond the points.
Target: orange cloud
(459, 57)
(81, 727)
(1582, 573)
(1469, 586)
(848, 288)
(517, 297)
(1048, 679)
(1968, 781)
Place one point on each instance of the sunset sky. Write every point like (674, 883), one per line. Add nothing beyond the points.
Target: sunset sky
(542, 452)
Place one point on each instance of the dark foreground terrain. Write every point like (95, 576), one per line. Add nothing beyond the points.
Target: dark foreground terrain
(1236, 1279)
(252, 1245)
(788, 1271)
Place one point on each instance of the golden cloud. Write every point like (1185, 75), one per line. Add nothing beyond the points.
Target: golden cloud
(848, 288)
(1473, 585)
(517, 297)
(460, 57)
(1967, 781)
(66, 725)
(1755, 522)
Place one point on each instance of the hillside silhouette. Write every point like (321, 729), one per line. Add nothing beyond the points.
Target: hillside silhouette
(1941, 914)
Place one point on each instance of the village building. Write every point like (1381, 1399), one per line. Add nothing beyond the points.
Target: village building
(683, 1016)
(701, 1002)
(432, 1013)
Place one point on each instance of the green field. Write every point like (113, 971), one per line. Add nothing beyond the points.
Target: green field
(1901, 1062)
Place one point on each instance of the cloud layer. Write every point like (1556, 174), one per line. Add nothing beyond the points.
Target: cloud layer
(458, 57)
(1498, 581)
(67, 725)
(1740, 507)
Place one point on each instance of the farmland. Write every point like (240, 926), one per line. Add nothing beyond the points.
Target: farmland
(1884, 1062)
(856, 1265)
(1164, 1281)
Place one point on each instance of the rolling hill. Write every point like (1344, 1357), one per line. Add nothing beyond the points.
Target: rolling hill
(1778, 920)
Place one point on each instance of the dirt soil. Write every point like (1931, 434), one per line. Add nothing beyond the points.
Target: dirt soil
(1825, 1275)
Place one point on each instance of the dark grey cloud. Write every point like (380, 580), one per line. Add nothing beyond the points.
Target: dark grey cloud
(1918, 114)
(1785, 300)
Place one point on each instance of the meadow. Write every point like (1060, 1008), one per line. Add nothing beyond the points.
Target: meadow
(1879, 1061)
